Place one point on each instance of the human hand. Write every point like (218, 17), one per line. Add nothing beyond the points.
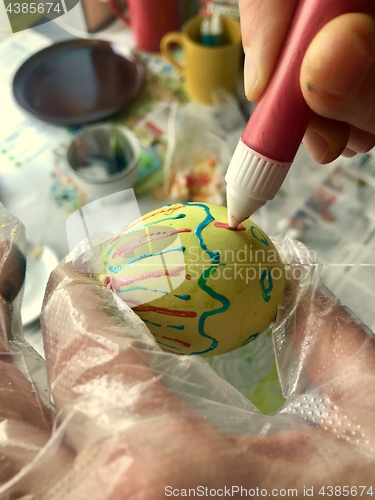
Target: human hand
(337, 74)
(133, 422)
(146, 420)
(26, 418)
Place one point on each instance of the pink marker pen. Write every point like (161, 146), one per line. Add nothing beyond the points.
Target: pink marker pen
(278, 123)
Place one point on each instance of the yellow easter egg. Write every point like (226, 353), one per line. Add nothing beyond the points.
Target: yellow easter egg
(200, 286)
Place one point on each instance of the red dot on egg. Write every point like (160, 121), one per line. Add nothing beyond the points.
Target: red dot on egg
(188, 277)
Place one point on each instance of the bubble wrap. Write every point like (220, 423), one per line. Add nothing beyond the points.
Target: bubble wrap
(129, 421)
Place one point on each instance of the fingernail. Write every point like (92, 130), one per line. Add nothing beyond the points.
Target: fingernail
(250, 73)
(318, 146)
(348, 153)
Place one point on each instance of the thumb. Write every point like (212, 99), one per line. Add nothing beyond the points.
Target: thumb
(264, 24)
(338, 71)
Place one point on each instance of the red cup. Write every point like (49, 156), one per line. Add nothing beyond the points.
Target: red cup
(150, 20)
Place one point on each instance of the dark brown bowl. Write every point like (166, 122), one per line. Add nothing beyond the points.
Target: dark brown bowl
(76, 82)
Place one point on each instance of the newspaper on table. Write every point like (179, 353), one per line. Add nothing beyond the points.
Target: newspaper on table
(331, 209)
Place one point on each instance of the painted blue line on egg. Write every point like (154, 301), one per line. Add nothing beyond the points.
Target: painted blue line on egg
(183, 296)
(151, 322)
(202, 282)
(152, 223)
(176, 327)
(252, 337)
(144, 288)
(266, 290)
(166, 345)
(263, 238)
(115, 269)
(135, 287)
(147, 255)
(215, 256)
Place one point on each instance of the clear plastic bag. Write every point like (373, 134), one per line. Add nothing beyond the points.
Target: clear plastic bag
(201, 141)
(131, 421)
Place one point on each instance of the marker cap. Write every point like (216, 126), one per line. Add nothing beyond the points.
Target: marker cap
(252, 180)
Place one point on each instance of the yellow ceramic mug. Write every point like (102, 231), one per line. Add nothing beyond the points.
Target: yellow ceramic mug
(205, 68)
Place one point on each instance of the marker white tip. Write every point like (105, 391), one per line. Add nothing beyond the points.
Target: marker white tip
(240, 207)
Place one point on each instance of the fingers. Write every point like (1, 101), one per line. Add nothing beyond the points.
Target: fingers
(325, 336)
(338, 354)
(20, 444)
(19, 400)
(331, 339)
(338, 83)
(359, 142)
(338, 71)
(264, 24)
(95, 349)
(12, 275)
(20, 406)
(328, 338)
(337, 74)
(12, 270)
(328, 364)
(326, 139)
(26, 422)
